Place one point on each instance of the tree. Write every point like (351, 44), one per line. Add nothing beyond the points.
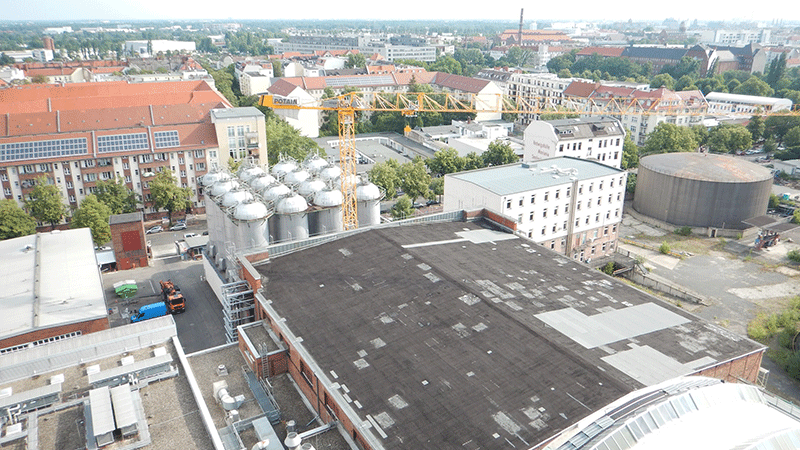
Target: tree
(499, 153)
(284, 139)
(729, 138)
(414, 179)
(403, 208)
(662, 80)
(756, 127)
(116, 195)
(446, 63)
(778, 126)
(436, 188)
(792, 138)
(355, 60)
(38, 79)
(700, 133)
(777, 69)
(754, 86)
(685, 83)
(44, 202)
(445, 161)
(385, 176)
(473, 161)
(630, 153)
(564, 73)
(166, 194)
(668, 138)
(14, 222)
(94, 215)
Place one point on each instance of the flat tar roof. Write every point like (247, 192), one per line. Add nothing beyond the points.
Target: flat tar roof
(522, 177)
(49, 279)
(453, 335)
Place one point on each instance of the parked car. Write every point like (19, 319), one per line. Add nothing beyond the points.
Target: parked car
(188, 235)
(178, 227)
(155, 229)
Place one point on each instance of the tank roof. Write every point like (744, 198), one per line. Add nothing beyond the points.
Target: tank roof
(706, 167)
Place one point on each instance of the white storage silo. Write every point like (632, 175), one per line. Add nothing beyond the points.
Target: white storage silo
(368, 208)
(292, 218)
(216, 226)
(248, 173)
(228, 201)
(283, 167)
(329, 218)
(295, 177)
(330, 173)
(314, 164)
(258, 183)
(310, 187)
(271, 195)
(250, 217)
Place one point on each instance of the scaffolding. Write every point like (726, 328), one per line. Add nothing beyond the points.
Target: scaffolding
(238, 307)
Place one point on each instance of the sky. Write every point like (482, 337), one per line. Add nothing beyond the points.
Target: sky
(386, 10)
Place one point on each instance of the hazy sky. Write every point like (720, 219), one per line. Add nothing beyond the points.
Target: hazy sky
(386, 10)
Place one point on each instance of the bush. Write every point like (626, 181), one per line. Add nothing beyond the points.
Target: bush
(786, 337)
(608, 269)
(684, 231)
(794, 256)
(792, 365)
(664, 248)
(756, 329)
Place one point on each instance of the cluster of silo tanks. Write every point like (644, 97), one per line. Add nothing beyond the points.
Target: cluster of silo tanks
(293, 201)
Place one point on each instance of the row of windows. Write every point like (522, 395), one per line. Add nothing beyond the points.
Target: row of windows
(122, 142)
(17, 151)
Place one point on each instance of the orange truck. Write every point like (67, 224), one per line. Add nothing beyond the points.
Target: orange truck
(172, 297)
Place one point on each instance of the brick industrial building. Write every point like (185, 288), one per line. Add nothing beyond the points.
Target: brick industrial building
(78, 134)
(452, 334)
(52, 289)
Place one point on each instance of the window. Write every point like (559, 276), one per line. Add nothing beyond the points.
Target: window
(521, 201)
(72, 199)
(544, 212)
(531, 217)
(605, 231)
(546, 195)
(603, 247)
(181, 160)
(591, 186)
(554, 228)
(587, 220)
(598, 201)
(568, 192)
(183, 174)
(552, 245)
(618, 196)
(508, 204)
(66, 169)
(555, 211)
(69, 184)
(580, 189)
(600, 186)
(558, 193)
(565, 225)
(617, 144)
(199, 153)
(212, 154)
(597, 217)
(579, 205)
(125, 165)
(544, 231)
(613, 229)
(561, 148)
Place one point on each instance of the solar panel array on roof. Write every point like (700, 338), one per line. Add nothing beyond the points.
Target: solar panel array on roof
(122, 142)
(16, 151)
(167, 139)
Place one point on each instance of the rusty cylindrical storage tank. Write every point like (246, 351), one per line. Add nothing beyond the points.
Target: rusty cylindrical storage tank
(701, 190)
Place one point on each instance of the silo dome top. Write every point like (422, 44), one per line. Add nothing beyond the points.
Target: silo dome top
(314, 163)
(250, 210)
(292, 204)
(260, 182)
(330, 173)
(234, 197)
(246, 174)
(283, 167)
(296, 177)
(223, 186)
(706, 167)
(310, 187)
(329, 198)
(213, 177)
(276, 191)
(367, 191)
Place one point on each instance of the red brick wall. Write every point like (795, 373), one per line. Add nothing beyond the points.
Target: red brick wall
(137, 256)
(87, 327)
(745, 368)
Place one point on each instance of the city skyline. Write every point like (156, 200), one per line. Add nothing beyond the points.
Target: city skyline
(583, 10)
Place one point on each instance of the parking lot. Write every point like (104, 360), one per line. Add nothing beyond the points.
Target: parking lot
(201, 325)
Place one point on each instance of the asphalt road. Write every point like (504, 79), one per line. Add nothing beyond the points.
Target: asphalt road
(201, 326)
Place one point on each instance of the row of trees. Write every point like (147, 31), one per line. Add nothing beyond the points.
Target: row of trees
(425, 178)
(45, 205)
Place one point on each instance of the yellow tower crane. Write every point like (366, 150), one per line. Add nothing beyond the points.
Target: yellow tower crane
(409, 104)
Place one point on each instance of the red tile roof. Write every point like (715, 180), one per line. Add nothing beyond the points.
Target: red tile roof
(460, 83)
(580, 89)
(602, 51)
(282, 87)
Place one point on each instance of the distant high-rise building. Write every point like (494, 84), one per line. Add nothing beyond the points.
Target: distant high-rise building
(48, 43)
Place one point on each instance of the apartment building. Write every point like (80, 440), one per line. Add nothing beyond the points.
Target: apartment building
(597, 138)
(570, 205)
(78, 134)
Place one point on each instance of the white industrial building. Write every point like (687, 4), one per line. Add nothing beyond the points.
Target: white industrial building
(724, 103)
(570, 205)
(598, 138)
(153, 47)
